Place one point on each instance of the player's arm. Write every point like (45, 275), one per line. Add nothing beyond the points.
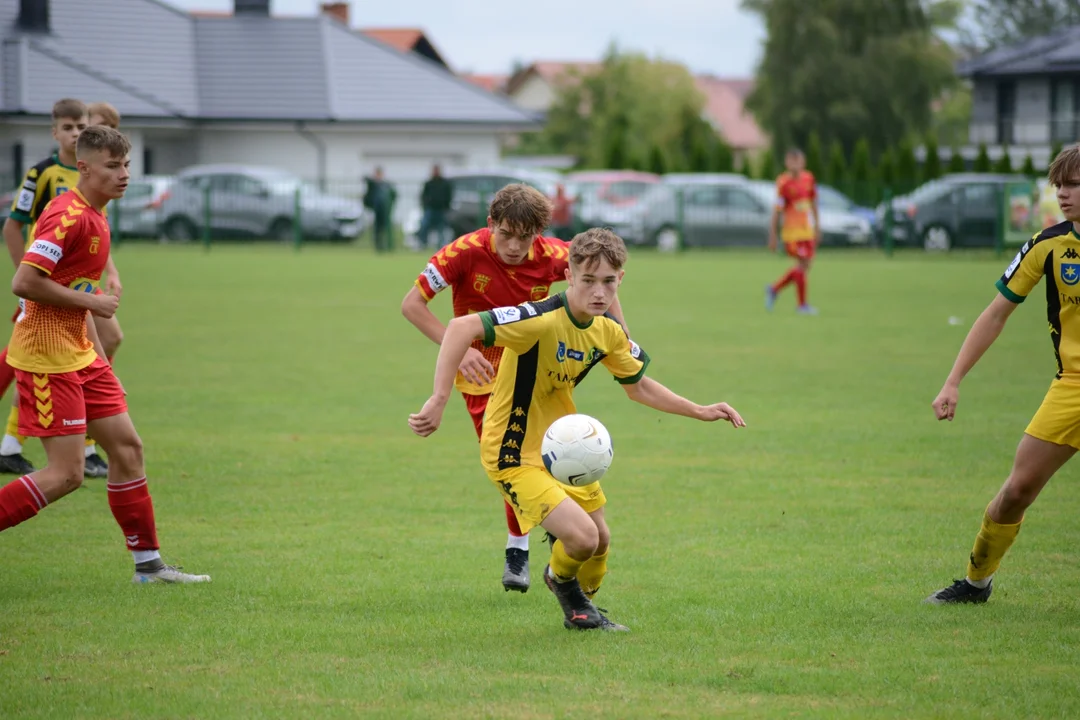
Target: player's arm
(653, 394)
(979, 339)
(32, 283)
(459, 335)
(13, 238)
(93, 337)
(474, 366)
(817, 217)
(112, 282)
(774, 219)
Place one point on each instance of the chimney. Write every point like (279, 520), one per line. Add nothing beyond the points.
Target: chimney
(337, 10)
(33, 15)
(251, 7)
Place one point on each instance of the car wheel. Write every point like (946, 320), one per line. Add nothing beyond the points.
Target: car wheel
(937, 238)
(180, 229)
(281, 230)
(667, 240)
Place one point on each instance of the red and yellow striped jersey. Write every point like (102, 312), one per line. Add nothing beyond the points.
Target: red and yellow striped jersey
(795, 197)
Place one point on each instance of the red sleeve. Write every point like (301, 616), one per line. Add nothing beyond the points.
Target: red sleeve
(559, 253)
(448, 266)
(813, 185)
(53, 235)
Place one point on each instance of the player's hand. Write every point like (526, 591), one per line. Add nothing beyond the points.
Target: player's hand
(476, 368)
(113, 285)
(721, 411)
(946, 401)
(428, 419)
(104, 306)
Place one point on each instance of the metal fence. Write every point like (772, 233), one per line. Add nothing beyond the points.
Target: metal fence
(689, 211)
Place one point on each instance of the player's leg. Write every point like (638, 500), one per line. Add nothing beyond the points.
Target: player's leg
(111, 335)
(592, 572)
(12, 461)
(771, 291)
(1035, 463)
(802, 269)
(129, 494)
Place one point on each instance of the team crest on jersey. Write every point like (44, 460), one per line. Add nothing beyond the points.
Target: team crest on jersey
(480, 282)
(560, 353)
(1070, 273)
(539, 292)
(95, 242)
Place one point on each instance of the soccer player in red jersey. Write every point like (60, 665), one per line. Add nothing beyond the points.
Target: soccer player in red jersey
(65, 389)
(504, 264)
(797, 206)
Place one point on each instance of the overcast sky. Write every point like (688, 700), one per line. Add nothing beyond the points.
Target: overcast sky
(486, 36)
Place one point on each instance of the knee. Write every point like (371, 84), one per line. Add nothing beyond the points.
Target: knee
(603, 539)
(128, 456)
(1017, 494)
(581, 542)
(72, 476)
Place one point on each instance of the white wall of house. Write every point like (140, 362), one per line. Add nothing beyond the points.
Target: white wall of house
(535, 94)
(1032, 125)
(38, 144)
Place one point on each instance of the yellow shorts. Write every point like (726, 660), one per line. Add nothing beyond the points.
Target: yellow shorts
(533, 494)
(1058, 418)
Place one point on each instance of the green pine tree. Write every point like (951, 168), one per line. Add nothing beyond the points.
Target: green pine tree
(722, 161)
(907, 168)
(743, 166)
(1004, 163)
(1028, 169)
(956, 161)
(658, 163)
(837, 173)
(886, 172)
(932, 164)
(862, 175)
(766, 166)
(815, 159)
(982, 161)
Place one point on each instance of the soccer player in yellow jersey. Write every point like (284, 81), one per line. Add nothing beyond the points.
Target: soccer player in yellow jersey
(1053, 435)
(549, 347)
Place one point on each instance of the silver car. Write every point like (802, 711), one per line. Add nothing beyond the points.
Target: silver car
(138, 213)
(252, 201)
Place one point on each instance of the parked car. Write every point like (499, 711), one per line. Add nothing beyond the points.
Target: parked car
(960, 210)
(138, 213)
(831, 198)
(840, 225)
(602, 196)
(474, 189)
(252, 201)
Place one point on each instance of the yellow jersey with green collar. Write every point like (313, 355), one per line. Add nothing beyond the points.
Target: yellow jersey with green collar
(1054, 254)
(547, 354)
(42, 183)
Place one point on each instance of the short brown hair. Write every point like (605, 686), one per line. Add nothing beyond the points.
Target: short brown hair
(588, 247)
(525, 209)
(108, 113)
(68, 109)
(99, 137)
(1066, 166)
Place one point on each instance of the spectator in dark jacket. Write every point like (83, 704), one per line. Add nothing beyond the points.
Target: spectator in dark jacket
(435, 199)
(379, 198)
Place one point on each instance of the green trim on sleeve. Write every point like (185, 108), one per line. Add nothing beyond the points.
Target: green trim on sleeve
(1009, 294)
(21, 217)
(489, 328)
(636, 377)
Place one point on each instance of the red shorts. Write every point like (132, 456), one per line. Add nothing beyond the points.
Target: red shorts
(477, 405)
(803, 249)
(52, 405)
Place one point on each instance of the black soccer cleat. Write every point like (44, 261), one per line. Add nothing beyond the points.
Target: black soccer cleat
(95, 466)
(578, 612)
(15, 465)
(961, 591)
(608, 624)
(516, 570)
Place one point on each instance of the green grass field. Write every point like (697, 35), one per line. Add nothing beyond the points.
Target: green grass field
(776, 571)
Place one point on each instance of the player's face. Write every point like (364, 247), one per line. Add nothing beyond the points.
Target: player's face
(594, 286)
(511, 246)
(105, 174)
(66, 132)
(794, 162)
(1068, 197)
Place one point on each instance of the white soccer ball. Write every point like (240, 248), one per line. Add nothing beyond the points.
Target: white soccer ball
(576, 450)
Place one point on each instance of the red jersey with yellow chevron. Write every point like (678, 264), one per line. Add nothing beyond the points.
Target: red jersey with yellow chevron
(480, 281)
(71, 246)
(795, 196)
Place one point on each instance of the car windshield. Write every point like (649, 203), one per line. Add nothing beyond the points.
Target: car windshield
(832, 199)
(930, 190)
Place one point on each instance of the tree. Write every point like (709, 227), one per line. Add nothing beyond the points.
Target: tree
(815, 159)
(1004, 163)
(982, 161)
(1054, 152)
(722, 161)
(845, 68)
(1028, 169)
(887, 171)
(838, 170)
(766, 166)
(956, 161)
(932, 164)
(743, 166)
(863, 190)
(1006, 22)
(658, 163)
(907, 168)
(616, 155)
(699, 155)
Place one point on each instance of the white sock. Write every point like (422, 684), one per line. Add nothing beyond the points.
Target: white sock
(10, 446)
(90, 450)
(142, 556)
(521, 543)
(981, 584)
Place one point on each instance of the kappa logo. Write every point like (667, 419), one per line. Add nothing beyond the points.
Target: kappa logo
(1070, 254)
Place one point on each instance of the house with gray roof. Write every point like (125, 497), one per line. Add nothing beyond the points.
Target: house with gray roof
(1027, 96)
(304, 94)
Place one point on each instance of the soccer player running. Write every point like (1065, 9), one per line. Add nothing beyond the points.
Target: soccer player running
(504, 264)
(549, 347)
(64, 387)
(797, 208)
(1053, 435)
(43, 182)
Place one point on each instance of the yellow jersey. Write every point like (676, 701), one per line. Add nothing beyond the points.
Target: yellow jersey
(42, 183)
(1053, 253)
(547, 354)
